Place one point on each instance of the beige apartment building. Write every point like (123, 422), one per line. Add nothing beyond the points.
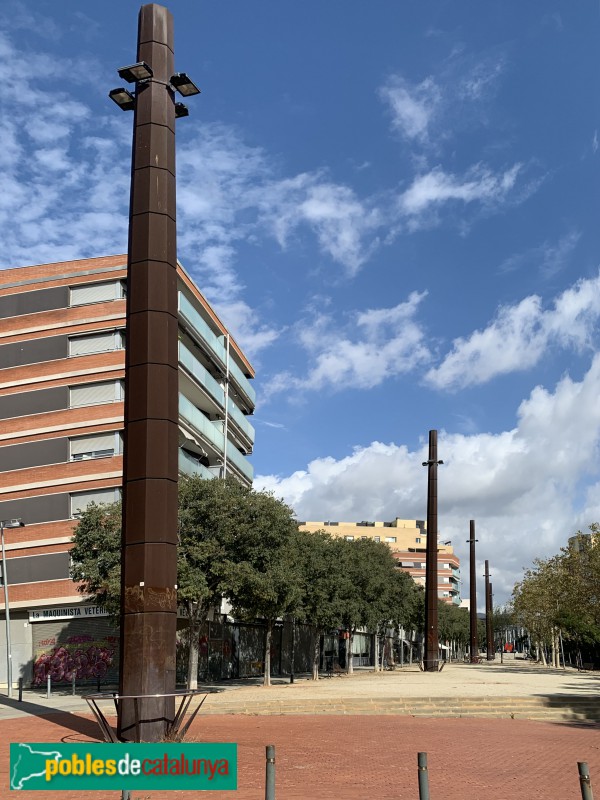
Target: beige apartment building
(407, 539)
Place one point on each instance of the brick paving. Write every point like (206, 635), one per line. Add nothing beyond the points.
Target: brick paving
(358, 757)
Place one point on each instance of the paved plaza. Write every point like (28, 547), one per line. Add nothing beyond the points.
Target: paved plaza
(366, 754)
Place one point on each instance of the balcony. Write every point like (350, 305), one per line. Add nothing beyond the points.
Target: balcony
(208, 430)
(215, 348)
(190, 466)
(194, 321)
(243, 465)
(242, 423)
(201, 375)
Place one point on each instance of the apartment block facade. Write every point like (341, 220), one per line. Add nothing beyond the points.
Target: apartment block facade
(62, 367)
(407, 539)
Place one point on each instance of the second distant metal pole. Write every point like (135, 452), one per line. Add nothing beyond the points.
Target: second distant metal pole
(423, 776)
(270, 773)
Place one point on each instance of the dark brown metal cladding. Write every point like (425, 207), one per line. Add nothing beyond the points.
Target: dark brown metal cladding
(149, 549)
(488, 615)
(474, 648)
(490, 627)
(430, 662)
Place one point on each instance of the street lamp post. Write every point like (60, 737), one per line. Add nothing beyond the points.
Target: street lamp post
(430, 661)
(474, 643)
(7, 523)
(150, 473)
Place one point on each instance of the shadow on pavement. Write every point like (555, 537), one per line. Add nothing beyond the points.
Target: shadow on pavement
(80, 725)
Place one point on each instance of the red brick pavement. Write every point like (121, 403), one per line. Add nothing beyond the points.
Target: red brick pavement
(364, 757)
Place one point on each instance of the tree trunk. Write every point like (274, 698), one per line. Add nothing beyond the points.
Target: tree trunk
(194, 642)
(349, 657)
(316, 655)
(267, 673)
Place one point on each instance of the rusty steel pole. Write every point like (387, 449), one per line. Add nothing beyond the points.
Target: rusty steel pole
(474, 642)
(490, 634)
(149, 539)
(488, 614)
(430, 661)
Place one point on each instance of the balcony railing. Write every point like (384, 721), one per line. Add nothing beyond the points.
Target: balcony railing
(201, 374)
(195, 321)
(241, 421)
(204, 426)
(242, 382)
(240, 461)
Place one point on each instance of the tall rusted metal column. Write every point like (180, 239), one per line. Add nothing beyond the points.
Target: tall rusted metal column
(491, 648)
(474, 642)
(430, 661)
(149, 545)
(488, 614)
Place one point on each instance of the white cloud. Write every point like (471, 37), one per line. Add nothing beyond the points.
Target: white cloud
(437, 187)
(519, 485)
(412, 107)
(519, 336)
(377, 345)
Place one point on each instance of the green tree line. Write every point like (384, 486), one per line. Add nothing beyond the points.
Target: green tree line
(245, 546)
(558, 600)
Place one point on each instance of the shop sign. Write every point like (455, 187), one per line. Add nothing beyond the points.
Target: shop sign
(66, 612)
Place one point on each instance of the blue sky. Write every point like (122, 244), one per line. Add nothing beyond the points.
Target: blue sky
(395, 208)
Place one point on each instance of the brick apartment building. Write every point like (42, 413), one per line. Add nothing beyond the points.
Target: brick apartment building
(62, 366)
(407, 539)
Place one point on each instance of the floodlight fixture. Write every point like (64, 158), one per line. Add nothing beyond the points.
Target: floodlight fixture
(136, 72)
(123, 98)
(183, 84)
(181, 110)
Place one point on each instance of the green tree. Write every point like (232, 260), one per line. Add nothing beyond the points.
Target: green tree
(227, 532)
(264, 581)
(96, 556)
(320, 601)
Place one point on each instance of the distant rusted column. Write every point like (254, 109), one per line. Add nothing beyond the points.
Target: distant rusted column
(474, 641)
(149, 545)
(488, 614)
(430, 661)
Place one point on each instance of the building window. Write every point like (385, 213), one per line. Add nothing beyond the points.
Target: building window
(96, 343)
(390, 539)
(81, 500)
(99, 445)
(92, 394)
(418, 540)
(376, 539)
(349, 538)
(96, 293)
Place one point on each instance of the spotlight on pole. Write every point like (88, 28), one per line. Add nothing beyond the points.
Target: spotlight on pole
(181, 110)
(136, 72)
(123, 98)
(184, 85)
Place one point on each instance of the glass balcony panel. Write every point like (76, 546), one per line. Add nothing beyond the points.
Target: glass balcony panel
(242, 381)
(240, 461)
(241, 421)
(193, 318)
(201, 374)
(197, 420)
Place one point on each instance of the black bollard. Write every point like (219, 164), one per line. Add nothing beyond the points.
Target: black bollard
(73, 684)
(423, 776)
(270, 773)
(20, 690)
(584, 780)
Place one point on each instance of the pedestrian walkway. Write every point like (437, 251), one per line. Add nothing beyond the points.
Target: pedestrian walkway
(363, 756)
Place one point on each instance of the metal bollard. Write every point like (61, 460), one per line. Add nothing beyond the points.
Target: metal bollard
(98, 684)
(125, 794)
(584, 780)
(20, 690)
(73, 684)
(48, 687)
(423, 776)
(270, 773)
